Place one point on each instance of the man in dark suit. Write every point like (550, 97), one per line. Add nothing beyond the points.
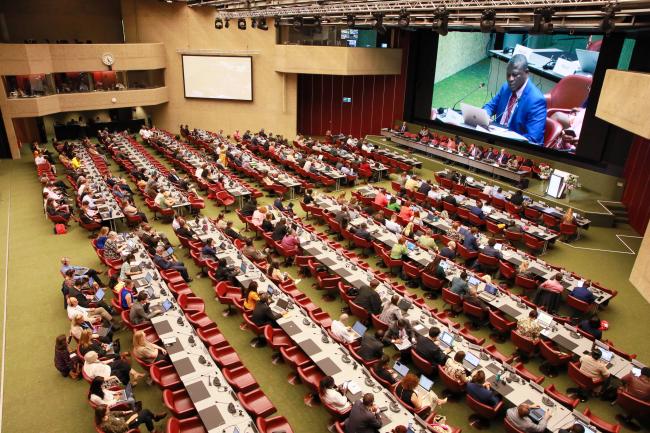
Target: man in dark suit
(364, 416)
(425, 187)
(249, 207)
(469, 239)
(449, 251)
(490, 251)
(232, 233)
(520, 105)
(478, 209)
(369, 299)
(363, 232)
(176, 179)
(169, 262)
(262, 314)
(427, 348)
(371, 346)
(449, 198)
(399, 331)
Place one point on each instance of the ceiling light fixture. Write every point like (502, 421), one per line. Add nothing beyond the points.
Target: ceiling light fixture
(350, 21)
(218, 23)
(404, 18)
(440, 22)
(542, 21)
(262, 24)
(488, 20)
(241, 23)
(379, 22)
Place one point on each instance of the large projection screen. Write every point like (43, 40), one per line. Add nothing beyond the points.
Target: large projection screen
(218, 77)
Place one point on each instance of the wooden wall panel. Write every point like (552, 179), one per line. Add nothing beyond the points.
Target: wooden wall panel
(637, 185)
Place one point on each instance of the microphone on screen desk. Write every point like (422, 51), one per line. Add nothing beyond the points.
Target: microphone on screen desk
(480, 86)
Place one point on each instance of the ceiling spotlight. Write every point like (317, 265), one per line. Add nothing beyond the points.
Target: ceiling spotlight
(262, 24)
(297, 22)
(241, 23)
(350, 21)
(276, 22)
(218, 23)
(488, 20)
(608, 24)
(253, 22)
(440, 22)
(379, 23)
(542, 20)
(404, 18)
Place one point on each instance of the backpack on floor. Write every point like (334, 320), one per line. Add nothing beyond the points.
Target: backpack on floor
(59, 229)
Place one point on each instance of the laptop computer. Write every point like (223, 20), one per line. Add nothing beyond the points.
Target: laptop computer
(359, 328)
(471, 361)
(606, 355)
(474, 116)
(498, 246)
(127, 392)
(587, 59)
(544, 319)
(400, 368)
(587, 427)
(141, 282)
(473, 281)
(446, 339)
(270, 290)
(425, 383)
(99, 295)
(280, 306)
(491, 289)
(243, 268)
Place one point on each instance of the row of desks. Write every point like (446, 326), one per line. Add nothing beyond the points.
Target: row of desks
(515, 389)
(216, 403)
(486, 166)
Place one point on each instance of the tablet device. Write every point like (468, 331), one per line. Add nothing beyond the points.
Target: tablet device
(167, 304)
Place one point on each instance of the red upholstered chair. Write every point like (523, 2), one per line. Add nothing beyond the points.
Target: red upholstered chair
(453, 300)
(256, 403)
(482, 413)
(432, 284)
(165, 376)
(294, 357)
(532, 214)
(392, 264)
(425, 366)
(570, 92)
(528, 374)
(353, 351)
(311, 376)
(526, 347)
(321, 317)
(580, 306)
(240, 378)
(212, 336)
(362, 314)
(228, 295)
(506, 270)
(465, 253)
(510, 428)
(493, 227)
(462, 213)
(603, 426)
(179, 403)
(494, 352)
(476, 314)
(567, 401)
(585, 383)
(225, 357)
(553, 358)
(258, 341)
(377, 323)
(187, 425)
(453, 387)
(273, 424)
(476, 220)
(199, 320)
(501, 326)
(487, 263)
(525, 282)
(568, 231)
(276, 338)
(634, 408)
(191, 304)
(471, 337)
(422, 413)
(552, 132)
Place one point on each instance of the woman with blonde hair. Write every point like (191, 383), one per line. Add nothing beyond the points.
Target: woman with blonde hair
(568, 217)
(145, 350)
(102, 235)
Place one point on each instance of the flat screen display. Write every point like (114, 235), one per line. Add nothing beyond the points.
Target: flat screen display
(487, 72)
(218, 77)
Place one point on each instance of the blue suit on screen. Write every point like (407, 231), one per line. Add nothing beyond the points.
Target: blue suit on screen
(529, 116)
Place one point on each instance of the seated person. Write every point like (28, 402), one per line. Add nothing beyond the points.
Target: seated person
(110, 369)
(267, 224)
(517, 198)
(140, 312)
(459, 285)
(169, 262)
(519, 105)
(400, 250)
(250, 296)
(146, 351)
(371, 346)
(99, 395)
(341, 330)
(384, 371)
(454, 367)
(594, 367)
(390, 312)
(393, 205)
(449, 251)
(209, 250)
(549, 294)
(392, 224)
(249, 207)
(490, 251)
(477, 209)
(232, 233)
(252, 253)
(427, 348)
(122, 421)
(480, 390)
(399, 332)
(427, 240)
(332, 395)
(583, 293)
(592, 327)
(638, 386)
(369, 299)
(262, 313)
(406, 391)
(362, 232)
(518, 416)
(469, 241)
(226, 272)
(529, 327)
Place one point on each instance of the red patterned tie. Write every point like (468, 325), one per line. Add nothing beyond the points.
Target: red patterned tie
(511, 105)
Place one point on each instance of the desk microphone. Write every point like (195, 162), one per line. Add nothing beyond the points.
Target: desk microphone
(480, 86)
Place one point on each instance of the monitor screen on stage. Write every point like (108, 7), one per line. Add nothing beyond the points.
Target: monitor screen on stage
(218, 77)
(471, 75)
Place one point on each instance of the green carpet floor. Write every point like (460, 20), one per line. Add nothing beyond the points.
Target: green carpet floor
(35, 316)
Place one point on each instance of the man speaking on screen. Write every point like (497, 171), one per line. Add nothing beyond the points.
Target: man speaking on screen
(519, 105)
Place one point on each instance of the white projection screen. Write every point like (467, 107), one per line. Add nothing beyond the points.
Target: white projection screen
(218, 77)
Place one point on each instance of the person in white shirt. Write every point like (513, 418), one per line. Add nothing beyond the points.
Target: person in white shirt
(332, 395)
(434, 193)
(393, 225)
(40, 159)
(307, 165)
(341, 330)
(88, 314)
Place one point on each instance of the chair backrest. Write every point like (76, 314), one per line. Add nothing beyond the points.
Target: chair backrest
(603, 426)
(552, 132)
(510, 428)
(499, 322)
(633, 406)
(581, 379)
(473, 310)
(450, 297)
(562, 398)
(551, 355)
(570, 92)
(425, 366)
(484, 410)
(523, 343)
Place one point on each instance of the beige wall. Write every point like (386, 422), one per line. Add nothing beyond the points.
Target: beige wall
(338, 60)
(97, 20)
(182, 28)
(640, 276)
(625, 101)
